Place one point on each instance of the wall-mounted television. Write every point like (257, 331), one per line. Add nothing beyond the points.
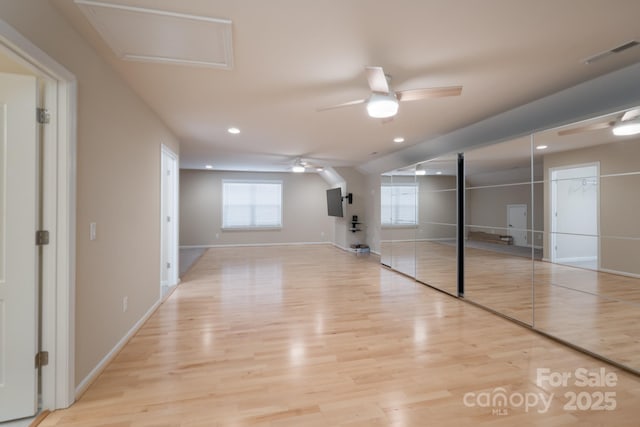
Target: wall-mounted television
(334, 202)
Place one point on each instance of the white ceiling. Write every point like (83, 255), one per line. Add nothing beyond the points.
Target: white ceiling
(293, 56)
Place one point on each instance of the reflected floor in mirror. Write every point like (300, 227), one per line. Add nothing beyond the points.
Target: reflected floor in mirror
(315, 336)
(595, 310)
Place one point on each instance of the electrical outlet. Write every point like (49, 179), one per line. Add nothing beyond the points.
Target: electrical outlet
(125, 304)
(217, 236)
(92, 231)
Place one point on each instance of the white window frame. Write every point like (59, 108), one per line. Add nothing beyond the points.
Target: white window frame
(252, 181)
(394, 223)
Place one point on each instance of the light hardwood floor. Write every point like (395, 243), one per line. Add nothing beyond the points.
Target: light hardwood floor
(314, 336)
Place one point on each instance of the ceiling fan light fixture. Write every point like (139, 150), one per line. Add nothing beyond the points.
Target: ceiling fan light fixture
(298, 166)
(628, 127)
(382, 106)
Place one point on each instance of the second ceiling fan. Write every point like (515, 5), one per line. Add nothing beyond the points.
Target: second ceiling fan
(383, 102)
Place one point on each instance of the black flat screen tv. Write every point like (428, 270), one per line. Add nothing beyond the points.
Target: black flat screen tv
(334, 202)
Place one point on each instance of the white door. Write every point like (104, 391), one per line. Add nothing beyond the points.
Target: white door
(169, 220)
(18, 255)
(517, 224)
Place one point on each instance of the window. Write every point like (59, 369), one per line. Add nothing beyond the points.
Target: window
(251, 204)
(398, 204)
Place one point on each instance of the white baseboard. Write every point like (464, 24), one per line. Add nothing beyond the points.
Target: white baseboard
(576, 259)
(95, 372)
(620, 273)
(233, 245)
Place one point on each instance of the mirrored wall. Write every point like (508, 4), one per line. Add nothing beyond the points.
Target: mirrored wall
(551, 235)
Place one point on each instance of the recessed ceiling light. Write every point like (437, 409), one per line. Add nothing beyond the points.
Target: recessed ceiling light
(398, 140)
(541, 147)
(421, 172)
(234, 131)
(439, 173)
(209, 167)
(297, 169)
(319, 169)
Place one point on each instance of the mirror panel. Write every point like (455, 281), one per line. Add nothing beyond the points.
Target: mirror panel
(436, 257)
(587, 286)
(403, 219)
(498, 228)
(385, 220)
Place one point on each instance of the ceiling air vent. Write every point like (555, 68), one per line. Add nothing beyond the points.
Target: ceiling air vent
(617, 49)
(151, 35)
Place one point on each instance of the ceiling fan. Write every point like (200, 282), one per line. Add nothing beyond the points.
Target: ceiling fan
(627, 124)
(302, 165)
(383, 102)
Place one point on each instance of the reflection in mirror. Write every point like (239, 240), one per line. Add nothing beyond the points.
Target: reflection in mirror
(385, 220)
(587, 288)
(437, 224)
(399, 212)
(499, 240)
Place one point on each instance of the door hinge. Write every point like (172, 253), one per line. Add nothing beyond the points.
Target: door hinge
(42, 237)
(42, 359)
(43, 116)
(168, 219)
(168, 265)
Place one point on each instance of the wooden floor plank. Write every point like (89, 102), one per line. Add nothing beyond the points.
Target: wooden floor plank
(314, 336)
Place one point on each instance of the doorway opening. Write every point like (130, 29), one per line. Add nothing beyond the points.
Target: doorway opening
(575, 201)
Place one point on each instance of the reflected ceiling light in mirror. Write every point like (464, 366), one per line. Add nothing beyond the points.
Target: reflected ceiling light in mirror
(542, 147)
(420, 170)
(628, 127)
(298, 167)
(398, 140)
(233, 130)
(382, 106)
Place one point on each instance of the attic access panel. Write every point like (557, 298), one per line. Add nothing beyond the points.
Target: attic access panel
(150, 35)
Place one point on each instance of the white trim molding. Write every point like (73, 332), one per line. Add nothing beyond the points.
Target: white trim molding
(58, 333)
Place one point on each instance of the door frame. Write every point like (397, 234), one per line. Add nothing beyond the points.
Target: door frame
(59, 215)
(174, 279)
(552, 203)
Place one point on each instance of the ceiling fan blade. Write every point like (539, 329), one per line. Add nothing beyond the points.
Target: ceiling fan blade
(586, 128)
(344, 104)
(630, 115)
(377, 80)
(431, 92)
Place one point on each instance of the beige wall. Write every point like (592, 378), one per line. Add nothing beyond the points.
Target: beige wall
(118, 186)
(619, 200)
(304, 213)
(355, 183)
